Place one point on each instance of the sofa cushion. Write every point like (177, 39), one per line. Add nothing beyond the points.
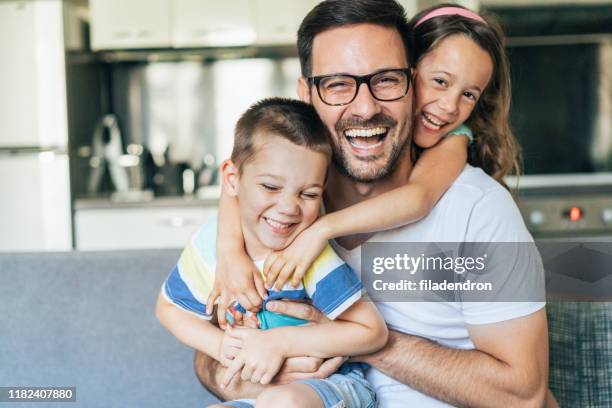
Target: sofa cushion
(87, 319)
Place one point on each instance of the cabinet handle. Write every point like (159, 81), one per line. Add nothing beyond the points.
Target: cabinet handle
(206, 31)
(178, 222)
(123, 34)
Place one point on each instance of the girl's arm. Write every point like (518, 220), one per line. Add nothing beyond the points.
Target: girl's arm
(236, 277)
(359, 330)
(431, 176)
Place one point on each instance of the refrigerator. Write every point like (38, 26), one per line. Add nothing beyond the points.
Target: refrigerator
(35, 212)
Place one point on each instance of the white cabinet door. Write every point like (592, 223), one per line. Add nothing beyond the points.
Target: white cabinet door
(120, 24)
(32, 74)
(138, 228)
(35, 203)
(277, 21)
(201, 23)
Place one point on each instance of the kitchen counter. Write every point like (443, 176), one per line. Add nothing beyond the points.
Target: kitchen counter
(205, 197)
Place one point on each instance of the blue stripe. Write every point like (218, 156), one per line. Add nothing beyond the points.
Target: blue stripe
(179, 293)
(297, 294)
(335, 288)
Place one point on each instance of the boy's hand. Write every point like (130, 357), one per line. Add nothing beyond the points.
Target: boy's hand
(294, 261)
(229, 349)
(236, 279)
(260, 358)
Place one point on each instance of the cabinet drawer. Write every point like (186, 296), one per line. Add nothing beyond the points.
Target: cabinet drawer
(137, 228)
(119, 24)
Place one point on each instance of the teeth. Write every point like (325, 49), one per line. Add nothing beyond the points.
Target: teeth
(432, 122)
(277, 224)
(365, 132)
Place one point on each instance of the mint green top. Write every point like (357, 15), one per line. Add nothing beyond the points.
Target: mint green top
(463, 129)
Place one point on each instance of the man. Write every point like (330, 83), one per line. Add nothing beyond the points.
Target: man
(502, 362)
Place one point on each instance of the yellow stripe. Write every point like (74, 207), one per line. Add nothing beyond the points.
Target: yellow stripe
(197, 275)
(326, 262)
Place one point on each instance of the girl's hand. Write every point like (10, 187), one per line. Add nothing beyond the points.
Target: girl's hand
(236, 279)
(294, 261)
(260, 358)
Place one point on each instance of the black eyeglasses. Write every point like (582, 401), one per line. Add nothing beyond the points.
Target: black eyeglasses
(341, 89)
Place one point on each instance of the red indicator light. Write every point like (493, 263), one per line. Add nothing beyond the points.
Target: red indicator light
(575, 214)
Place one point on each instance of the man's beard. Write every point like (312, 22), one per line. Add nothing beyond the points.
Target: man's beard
(340, 157)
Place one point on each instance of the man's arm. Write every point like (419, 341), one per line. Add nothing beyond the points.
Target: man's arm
(509, 366)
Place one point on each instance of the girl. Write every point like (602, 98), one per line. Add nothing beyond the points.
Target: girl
(462, 84)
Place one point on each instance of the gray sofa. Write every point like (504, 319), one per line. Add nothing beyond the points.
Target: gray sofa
(86, 319)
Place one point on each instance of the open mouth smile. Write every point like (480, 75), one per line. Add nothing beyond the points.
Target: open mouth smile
(432, 122)
(278, 226)
(366, 138)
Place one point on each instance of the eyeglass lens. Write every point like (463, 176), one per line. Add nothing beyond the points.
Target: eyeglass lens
(342, 89)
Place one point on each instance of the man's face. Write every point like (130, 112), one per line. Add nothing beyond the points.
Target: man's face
(368, 136)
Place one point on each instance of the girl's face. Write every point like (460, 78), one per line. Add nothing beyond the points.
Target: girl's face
(449, 80)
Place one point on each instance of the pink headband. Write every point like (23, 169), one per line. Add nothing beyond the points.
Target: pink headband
(451, 11)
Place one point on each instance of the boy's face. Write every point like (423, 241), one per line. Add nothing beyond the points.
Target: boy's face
(279, 193)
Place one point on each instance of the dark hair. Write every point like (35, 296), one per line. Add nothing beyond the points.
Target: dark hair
(335, 13)
(495, 149)
(289, 119)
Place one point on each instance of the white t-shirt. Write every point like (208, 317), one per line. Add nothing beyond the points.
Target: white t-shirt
(475, 209)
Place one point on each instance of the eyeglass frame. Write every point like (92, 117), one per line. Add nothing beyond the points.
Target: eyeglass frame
(361, 79)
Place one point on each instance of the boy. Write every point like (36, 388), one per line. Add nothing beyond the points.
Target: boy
(277, 173)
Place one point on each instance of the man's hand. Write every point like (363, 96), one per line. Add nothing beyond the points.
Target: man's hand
(302, 368)
(300, 310)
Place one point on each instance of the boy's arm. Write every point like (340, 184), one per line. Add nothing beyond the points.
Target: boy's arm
(192, 331)
(358, 330)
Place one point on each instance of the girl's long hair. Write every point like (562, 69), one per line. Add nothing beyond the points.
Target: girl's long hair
(495, 149)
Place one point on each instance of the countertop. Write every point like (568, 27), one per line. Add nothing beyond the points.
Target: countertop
(207, 196)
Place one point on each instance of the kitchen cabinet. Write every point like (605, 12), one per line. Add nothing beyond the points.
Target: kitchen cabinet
(277, 21)
(32, 76)
(198, 23)
(138, 227)
(121, 24)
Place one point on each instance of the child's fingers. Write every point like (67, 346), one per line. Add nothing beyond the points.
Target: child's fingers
(257, 374)
(259, 286)
(222, 305)
(268, 262)
(237, 332)
(298, 274)
(231, 371)
(284, 275)
(250, 300)
(236, 315)
(247, 371)
(212, 298)
(274, 269)
(267, 377)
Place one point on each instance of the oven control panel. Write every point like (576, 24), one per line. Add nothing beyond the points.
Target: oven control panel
(566, 214)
